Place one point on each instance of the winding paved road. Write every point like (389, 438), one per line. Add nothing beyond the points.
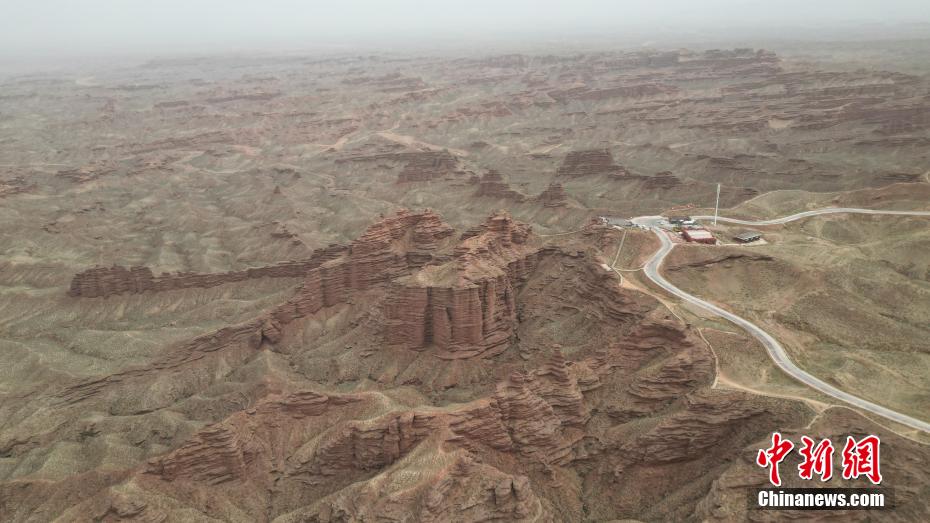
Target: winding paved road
(807, 214)
(775, 350)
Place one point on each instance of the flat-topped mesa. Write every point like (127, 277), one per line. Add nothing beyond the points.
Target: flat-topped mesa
(492, 185)
(466, 307)
(424, 166)
(553, 196)
(589, 162)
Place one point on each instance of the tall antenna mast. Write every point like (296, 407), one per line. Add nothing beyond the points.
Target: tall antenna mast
(717, 205)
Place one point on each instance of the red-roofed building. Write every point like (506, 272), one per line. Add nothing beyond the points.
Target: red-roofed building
(699, 236)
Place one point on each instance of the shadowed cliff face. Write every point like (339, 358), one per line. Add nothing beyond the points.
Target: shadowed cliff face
(415, 374)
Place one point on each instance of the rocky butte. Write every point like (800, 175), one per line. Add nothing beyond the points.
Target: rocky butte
(553, 196)
(589, 162)
(492, 185)
(466, 306)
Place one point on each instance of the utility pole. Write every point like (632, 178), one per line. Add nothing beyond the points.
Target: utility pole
(717, 205)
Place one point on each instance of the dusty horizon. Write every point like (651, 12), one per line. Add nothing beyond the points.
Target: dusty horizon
(54, 28)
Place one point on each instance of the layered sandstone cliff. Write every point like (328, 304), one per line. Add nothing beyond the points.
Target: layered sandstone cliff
(466, 306)
(369, 259)
(110, 281)
(512, 454)
(492, 185)
(317, 449)
(589, 162)
(427, 165)
(394, 246)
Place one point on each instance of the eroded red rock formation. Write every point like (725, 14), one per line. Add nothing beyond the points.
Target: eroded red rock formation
(511, 454)
(368, 260)
(547, 438)
(392, 247)
(109, 281)
(584, 163)
(661, 181)
(465, 307)
(492, 185)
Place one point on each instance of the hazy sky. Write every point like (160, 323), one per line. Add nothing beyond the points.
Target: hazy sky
(94, 26)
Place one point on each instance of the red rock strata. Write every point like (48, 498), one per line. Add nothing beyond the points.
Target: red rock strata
(484, 110)
(368, 260)
(661, 181)
(553, 196)
(543, 439)
(492, 185)
(389, 83)
(514, 454)
(392, 247)
(109, 281)
(584, 163)
(465, 307)
(537, 416)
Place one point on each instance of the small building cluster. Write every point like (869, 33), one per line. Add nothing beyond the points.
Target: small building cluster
(691, 231)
